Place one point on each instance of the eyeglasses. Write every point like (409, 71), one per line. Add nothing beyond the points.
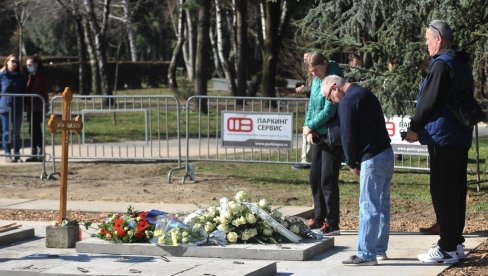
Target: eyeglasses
(14, 61)
(435, 28)
(329, 96)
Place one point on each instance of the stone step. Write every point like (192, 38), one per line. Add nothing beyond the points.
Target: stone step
(16, 235)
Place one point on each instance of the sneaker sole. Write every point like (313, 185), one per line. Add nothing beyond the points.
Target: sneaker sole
(370, 263)
(333, 233)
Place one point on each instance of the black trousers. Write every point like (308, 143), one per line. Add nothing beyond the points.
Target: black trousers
(448, 188)
(324, 182)
(35, 119)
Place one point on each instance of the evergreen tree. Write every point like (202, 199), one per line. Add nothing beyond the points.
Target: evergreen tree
(393, 30)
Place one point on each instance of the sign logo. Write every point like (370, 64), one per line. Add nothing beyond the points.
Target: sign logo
(391, 128)
(257, 129)
(236, 124)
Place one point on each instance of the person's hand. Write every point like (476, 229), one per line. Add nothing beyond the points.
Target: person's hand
(412, 136)
(306, 131)
(310, 138)
(355, 171)
(300, 89)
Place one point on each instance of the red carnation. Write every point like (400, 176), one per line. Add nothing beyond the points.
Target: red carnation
(142, 225)
(121, 233)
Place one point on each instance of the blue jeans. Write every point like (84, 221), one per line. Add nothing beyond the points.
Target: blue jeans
(374, 205)
(7, 137)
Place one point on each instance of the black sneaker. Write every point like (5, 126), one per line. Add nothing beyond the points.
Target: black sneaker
(357, 261)
(301, 166)
(32, 159)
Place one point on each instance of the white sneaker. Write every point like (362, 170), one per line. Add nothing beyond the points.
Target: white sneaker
(436, 256)
(460, 251)
(381, 257)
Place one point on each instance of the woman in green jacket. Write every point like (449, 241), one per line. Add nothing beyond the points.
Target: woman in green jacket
(326, 158)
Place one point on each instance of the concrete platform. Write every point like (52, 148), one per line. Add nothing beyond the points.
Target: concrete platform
(286, 252)
(69, 264)
(16, 235)
(33, 254)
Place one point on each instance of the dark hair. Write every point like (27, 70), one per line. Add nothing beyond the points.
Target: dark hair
(317, 58)
(37, 59)
(352, 56)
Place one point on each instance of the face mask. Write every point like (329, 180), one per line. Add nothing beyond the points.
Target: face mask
(32, 69)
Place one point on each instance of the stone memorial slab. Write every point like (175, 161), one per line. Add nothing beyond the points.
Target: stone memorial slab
(33, 264)
(96, 264)
(15, 233)
(300, 251)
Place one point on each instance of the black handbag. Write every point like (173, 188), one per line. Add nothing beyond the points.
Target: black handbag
(465, 110)
(333, 131)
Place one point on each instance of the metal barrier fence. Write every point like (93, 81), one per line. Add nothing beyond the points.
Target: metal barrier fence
(204, 113)
(205, 144)
(158, 132)
(18, 136)
(122, 128)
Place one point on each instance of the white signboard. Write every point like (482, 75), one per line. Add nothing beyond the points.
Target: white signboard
(395, 126)
(257, 130)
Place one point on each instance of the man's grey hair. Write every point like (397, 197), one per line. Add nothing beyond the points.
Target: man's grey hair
(441, 28)
(337, 80)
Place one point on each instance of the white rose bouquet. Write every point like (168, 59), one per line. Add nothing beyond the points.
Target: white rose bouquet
(240, 224)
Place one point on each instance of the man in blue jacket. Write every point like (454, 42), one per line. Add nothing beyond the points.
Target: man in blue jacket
(448, 143)
(368, 152)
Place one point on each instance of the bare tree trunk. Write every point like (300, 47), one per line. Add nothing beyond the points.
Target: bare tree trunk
(215, 52)
(189, 49)
(74, 11)
(180, 34)
(81, 56)
(98, 31)
(241, 10)
(130, 31)
(90, 48)
(259, 31)
(223, 49)
(277, 16)
(203, 52)
(102, 65)
(21, 40)
(126, 18)
(272, 22)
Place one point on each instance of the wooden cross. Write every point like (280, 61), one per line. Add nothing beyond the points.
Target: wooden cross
(65, 125)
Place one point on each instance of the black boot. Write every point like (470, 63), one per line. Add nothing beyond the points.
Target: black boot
(33, 158)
